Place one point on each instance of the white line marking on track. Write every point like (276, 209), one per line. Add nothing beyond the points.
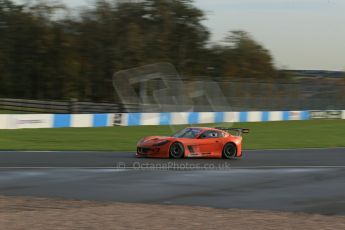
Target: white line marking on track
(194, 168)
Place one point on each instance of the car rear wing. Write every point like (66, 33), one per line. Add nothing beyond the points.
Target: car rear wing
(238, 131)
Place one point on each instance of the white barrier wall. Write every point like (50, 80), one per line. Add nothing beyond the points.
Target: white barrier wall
(35, 121)
(30, 121)
(81, 120)
(3, 121)
(136, 119)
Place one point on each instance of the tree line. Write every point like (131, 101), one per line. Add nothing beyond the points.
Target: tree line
(48, 51)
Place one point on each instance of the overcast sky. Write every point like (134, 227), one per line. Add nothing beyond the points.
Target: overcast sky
(301, 34)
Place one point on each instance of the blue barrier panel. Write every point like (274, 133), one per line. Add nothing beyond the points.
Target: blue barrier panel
(193, 118)
(265, 116)
(243, 116)
(286, 115)
(219, 117)
(134, 119)
(62, 120)
(305, 115)
(100, 120)
(165, 118)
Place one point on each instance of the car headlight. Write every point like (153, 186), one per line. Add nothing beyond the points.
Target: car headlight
(161, 143)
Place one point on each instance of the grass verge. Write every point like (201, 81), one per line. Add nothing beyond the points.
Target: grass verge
(269, 135)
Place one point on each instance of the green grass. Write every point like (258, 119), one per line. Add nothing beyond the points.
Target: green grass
(270, 135)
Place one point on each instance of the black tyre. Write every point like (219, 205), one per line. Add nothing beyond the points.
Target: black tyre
(229, 151)
(176, 151)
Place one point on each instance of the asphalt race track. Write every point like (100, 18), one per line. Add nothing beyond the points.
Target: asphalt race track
(252, 158)
(306, 180)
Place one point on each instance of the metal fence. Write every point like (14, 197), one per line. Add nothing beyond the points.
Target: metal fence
(248, 95)
(160, 88)
(301, 94)
(206, 96)
(40, 106)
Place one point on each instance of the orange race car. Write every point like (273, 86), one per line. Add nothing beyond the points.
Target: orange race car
(194, 142)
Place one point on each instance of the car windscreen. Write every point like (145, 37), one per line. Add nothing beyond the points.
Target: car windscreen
(188, 133)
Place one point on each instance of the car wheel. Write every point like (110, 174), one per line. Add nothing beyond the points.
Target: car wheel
(229, 151)
(176, 150)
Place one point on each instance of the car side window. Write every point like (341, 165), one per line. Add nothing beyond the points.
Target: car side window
(210, 134)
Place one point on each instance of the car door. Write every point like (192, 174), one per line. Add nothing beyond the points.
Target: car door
(209, 143)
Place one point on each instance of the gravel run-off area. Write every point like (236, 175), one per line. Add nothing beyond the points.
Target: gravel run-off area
(44, 213)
